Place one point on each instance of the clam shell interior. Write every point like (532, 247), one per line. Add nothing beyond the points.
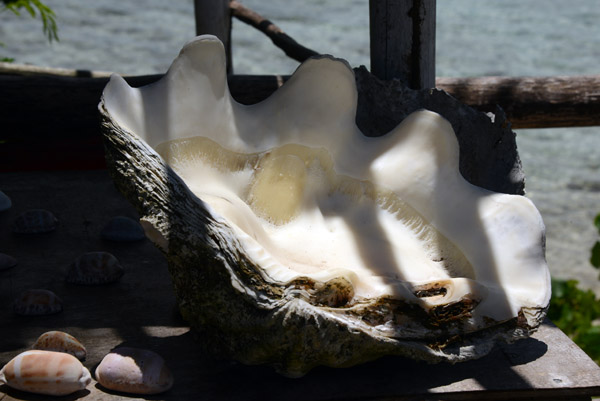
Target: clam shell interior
(309, 196)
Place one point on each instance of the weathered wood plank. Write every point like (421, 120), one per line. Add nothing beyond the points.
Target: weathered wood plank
(532, 102)
(139, 310)
(402, 38)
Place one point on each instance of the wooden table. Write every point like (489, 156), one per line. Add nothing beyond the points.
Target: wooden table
(140, 310)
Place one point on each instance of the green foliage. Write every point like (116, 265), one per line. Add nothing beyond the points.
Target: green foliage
(574, 310)
(595, 258)
(33, 7)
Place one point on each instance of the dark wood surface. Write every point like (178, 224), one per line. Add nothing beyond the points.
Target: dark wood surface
(402, 41)
(140, 310)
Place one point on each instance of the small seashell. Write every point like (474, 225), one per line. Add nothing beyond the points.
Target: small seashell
(59, 341)
(35, 221)
(45, 372)
(7, 261)
(94, 268)
(121, 228)
(5, 202)
(134, 370)
(36, 303)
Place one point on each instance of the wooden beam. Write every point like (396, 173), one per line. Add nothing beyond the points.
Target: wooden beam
(402, 36)
(214, 17)
(532, 102)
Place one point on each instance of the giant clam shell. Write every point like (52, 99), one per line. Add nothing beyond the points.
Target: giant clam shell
(45, 372)
(94, 268)
(35, 221)
(37, 302)
(59, 341)
(134, 370)
(296, 241)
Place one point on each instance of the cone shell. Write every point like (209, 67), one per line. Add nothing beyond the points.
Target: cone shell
(35, 221)
(59, 341)
(94, 268)
(7, 261)
(45, 372)
(134, 370)
(37, 302)
(124, 229)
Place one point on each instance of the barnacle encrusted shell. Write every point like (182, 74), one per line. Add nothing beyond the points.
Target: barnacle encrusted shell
(45, 372)
(295, 240)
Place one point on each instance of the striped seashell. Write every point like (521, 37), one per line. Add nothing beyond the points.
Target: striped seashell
(134, 370)
(59, 341)
(37, 302)
(94, 268)
(5, 202)
(45, 372)
(7, 261)
(123, 229)
(35, 221)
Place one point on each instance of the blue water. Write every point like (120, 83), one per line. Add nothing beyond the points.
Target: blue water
(474, 38)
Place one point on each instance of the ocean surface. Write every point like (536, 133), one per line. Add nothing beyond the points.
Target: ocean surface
(474, 38)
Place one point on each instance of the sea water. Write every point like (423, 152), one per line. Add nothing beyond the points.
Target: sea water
(474, 38)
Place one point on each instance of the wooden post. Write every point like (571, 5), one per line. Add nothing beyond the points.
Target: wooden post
(214, 17)
(403, 41)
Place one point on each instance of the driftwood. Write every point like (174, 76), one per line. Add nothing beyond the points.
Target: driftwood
(280, 39)
(532, 102)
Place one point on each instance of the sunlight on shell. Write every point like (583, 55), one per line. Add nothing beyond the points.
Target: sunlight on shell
(35, 221)
(134, 370)
(37, 302)
(45, 372)
(124, 229)
(94, 268)
(59, 341)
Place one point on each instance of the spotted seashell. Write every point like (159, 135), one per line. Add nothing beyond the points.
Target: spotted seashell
(7, 261)
(5, 202)
(60, 341)
(36, 303)
(134, 370)
(45, 372)
(35, 221)
(121, 228)
(94, 268)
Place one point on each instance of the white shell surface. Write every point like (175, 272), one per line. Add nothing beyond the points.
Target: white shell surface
(59, 341)
(7, 261)
(94, 268)
(45, 372)
(134, 370)
(123, 229)
(35, 221)
(5, 202)
(37, 302)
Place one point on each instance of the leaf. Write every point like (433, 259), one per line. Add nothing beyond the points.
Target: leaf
(597, 222)
(595, 258)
